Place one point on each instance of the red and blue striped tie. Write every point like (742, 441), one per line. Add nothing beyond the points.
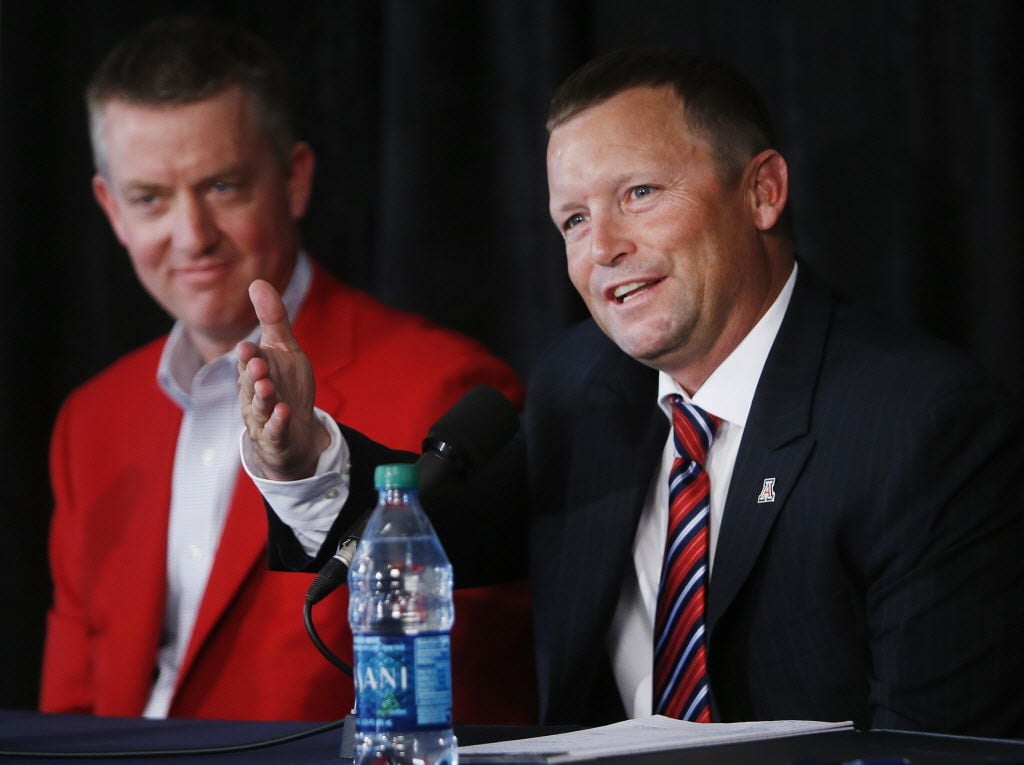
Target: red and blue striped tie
(680, 673)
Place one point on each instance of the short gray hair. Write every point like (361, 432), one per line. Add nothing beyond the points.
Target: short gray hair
(184, 59)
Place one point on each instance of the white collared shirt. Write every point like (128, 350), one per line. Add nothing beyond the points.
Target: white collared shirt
(728, 393)
(203, 480)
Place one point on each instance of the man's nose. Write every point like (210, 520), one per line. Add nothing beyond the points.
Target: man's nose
(608, 240)
(195, 230)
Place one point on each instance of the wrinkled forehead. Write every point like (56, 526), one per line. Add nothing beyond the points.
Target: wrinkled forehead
(226, 114)
(632, 131)
(158, 142)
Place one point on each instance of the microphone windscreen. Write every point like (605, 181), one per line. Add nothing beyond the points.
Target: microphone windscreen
(475, 428)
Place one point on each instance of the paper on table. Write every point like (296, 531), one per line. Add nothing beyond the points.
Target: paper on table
(647, 734)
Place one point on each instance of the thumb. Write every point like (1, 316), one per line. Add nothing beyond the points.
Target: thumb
(271, 313)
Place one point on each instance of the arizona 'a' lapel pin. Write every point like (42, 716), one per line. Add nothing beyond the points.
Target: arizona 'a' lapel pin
(767, 491)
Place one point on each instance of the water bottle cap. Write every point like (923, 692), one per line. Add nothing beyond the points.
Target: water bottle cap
(403, 476)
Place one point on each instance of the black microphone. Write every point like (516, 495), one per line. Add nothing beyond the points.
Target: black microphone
(465, 438)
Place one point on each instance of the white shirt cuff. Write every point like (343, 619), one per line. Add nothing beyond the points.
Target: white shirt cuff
(308, 505)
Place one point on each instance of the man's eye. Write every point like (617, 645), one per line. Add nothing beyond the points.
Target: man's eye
(642, 190)
(143, 200)
(222, 187)
(575, 220)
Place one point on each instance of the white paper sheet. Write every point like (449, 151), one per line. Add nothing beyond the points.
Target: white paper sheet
(648, 734)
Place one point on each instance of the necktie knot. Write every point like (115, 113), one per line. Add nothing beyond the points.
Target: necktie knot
(693, 429)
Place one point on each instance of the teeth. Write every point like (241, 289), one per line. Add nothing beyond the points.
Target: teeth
(622, 292)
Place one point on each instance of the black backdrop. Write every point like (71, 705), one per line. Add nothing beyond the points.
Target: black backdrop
(902, 124)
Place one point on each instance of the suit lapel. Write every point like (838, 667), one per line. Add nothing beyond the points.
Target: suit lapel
(776, 442)
(242, 546)
(145, 494)
(616, 441)
(622, 435)
(325, 328)
(244, 539)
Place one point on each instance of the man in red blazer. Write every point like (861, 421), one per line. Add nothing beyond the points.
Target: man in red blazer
(163, 603)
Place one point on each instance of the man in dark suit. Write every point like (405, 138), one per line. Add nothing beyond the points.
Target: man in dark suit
(858, 533)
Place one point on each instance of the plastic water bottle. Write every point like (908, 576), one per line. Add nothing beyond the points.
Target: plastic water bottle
(401, 613)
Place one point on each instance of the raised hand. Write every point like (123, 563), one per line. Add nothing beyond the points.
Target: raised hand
(276, 392)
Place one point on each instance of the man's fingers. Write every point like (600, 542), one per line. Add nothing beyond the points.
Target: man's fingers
(277, 425)
(249, 373)
(275, 380)
(270, 441)
(245, 351)
(264, 399)
(271, 313)
(257, 369)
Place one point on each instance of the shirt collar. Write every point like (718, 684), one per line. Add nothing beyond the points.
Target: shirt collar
(729, 390)
(180, 361)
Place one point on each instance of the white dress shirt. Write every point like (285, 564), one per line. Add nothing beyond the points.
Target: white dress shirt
(203, 480)
(728, 394)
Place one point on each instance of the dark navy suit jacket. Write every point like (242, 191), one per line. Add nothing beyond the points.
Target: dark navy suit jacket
(884, 584)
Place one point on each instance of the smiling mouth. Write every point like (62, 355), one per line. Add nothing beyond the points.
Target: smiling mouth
(205, 270)
(626, 292)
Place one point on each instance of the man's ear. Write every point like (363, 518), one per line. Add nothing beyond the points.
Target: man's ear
(300, 179)
(108, 202)
(769, 188)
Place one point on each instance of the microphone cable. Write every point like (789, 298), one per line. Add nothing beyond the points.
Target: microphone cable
(226, 749)
(331, 576)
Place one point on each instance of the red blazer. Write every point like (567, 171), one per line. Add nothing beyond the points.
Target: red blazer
(386, 373)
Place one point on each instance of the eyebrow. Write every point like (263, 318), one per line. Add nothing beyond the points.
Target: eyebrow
(137, 186)
(565, 208)
(616, 182)
(230, 171)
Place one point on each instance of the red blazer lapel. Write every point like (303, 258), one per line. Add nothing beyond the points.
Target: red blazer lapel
(330, 344)
(130, 584)
(243, 541)
(242, 546)
(142, 582)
